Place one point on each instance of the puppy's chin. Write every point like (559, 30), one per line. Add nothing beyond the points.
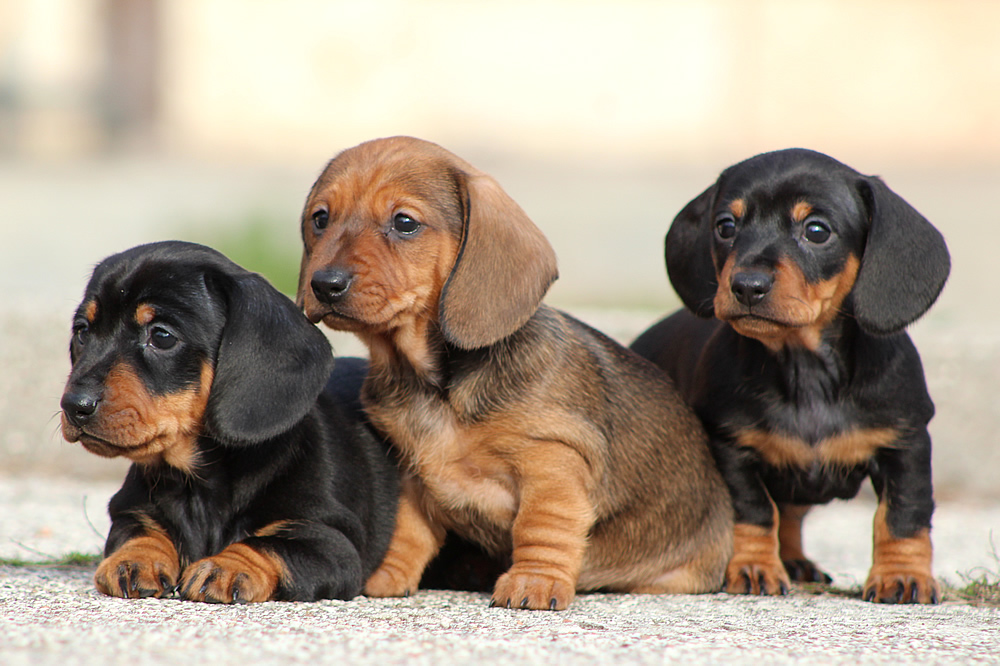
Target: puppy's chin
(317, 312)
(93, 444)
(340, 322)
(182, 454)
(346, 319)
(101, 448)
(758, 327)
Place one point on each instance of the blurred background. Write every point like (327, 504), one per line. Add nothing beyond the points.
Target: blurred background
(127, 121)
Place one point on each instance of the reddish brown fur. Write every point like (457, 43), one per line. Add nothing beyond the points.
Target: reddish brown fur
(846, 449)
(901, 568)
(756, 567)
(145, 428)
(398, 289)
(535, 475)
(144, 314)
(149, 564)
(801, 210)
(238, 571)
(795, 313)
(274, 528)
(790, 517)
(90, 311)
(414, 543)
(738, 207)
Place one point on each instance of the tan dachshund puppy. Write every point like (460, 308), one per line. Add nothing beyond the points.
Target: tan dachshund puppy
(520, 427)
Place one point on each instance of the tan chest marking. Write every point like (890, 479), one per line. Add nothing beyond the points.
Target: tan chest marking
(462, 467)
(846, 449)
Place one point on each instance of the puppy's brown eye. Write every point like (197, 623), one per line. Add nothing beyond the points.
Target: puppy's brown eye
(725, 228)
(320, 219)
(817, 232)
(404, 224)
(161, 338)
(80, 333)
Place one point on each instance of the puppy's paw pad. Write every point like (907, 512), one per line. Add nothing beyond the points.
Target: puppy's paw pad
(532, 591)
(135, 575)
(231, 578)
(901, 588)
(761, 578)
(389, 581)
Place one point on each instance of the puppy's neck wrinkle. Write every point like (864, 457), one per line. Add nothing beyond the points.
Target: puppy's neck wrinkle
(415, 357)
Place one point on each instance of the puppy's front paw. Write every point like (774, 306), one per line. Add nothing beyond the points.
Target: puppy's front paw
(391, 581)
(533, 590)
(239, 574)
(141, 568)
(901, 566)
(885, 586)
(755, 567)
(765, 577)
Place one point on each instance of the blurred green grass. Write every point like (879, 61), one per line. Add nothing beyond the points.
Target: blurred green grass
(258, 241)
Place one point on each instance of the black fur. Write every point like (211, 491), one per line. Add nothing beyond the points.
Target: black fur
(283, 440)
(865, 373)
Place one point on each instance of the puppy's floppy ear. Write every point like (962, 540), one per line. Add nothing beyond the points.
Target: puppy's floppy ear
(905, 262)
(688, 252)
(503, 269)
(271, 364)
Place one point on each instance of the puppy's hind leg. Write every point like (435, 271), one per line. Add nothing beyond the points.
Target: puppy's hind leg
(799, 567)
(414, 544)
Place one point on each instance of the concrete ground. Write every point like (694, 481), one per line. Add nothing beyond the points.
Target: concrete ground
(51, 615)
(606, 224)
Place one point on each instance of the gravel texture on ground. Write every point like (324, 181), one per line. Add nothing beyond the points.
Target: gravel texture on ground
(53, 615)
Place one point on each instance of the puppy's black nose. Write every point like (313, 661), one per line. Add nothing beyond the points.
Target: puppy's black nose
(331, 285)
(750, 287)
(79, 406)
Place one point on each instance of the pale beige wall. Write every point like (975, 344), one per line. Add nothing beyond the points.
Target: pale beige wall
(712, 80)
(50, 60)
(911, 79)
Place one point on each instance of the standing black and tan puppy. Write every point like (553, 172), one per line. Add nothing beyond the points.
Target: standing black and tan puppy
(804, 274)
(520, 428)
(256, 476)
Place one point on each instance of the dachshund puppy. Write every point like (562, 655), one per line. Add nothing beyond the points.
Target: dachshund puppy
(519, 427)
(799, 275)
(255, 475)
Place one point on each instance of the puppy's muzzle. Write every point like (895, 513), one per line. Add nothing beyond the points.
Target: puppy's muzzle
(79, 406)
(330, 286)
(751, 287)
